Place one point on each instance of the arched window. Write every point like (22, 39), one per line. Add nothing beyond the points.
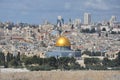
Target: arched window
(103, 29)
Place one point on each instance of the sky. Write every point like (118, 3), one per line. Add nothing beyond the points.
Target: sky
(37, 11)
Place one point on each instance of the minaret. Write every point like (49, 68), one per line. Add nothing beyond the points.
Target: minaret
(60, 23)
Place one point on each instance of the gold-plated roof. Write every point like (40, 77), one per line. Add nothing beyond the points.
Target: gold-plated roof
(62, 41)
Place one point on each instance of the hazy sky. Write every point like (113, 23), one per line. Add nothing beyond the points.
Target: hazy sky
(36, 11)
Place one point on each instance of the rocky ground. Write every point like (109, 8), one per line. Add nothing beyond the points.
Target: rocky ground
(62, 75)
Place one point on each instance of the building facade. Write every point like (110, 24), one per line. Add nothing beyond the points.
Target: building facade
(87, 18)
(63, 49)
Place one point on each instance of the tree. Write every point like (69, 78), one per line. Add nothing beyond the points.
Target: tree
(87, 52)
(40, 61)
(14, 62)
(92, 61)
(98, 53)
(67, 63)
(75, 66)
(31, 60)
(118, 59)
(18, 56)
(105, 62)
(63, 62)
(72, 60)
(109, 63)
(35, 60)
(27, 60)
(53, 61)
(8, 57)
(2, 58)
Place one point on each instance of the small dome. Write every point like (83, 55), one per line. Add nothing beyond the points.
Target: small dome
(62, 41)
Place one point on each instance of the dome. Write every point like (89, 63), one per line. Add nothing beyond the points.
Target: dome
(62, 41)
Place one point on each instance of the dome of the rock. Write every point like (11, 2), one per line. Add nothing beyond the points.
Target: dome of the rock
(62, 42)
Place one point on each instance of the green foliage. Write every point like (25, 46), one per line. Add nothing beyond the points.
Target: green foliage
(42, 67)
(5, 65)
(105, 61)
(118, 59)
(11, 61)
(98, 54)
(112, 63)
(96, 67)
(28, 61)
(53, 61)
(67, 63)
(63, 63)
(14, 63)
(18, 56)
(9, 58)
(94, 64)
(93, 53)
(92, 61)
(87, 52)
(75, 66)
(31, 60)
(2, 58)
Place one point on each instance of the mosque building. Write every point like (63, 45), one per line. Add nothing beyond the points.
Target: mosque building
(63, 49)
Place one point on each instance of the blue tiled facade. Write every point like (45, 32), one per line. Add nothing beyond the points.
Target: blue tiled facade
(63, 52)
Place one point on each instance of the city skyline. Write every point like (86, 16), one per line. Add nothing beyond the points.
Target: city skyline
(36, 11)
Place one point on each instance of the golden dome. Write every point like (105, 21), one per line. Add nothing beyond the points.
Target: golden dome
(62, 41)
